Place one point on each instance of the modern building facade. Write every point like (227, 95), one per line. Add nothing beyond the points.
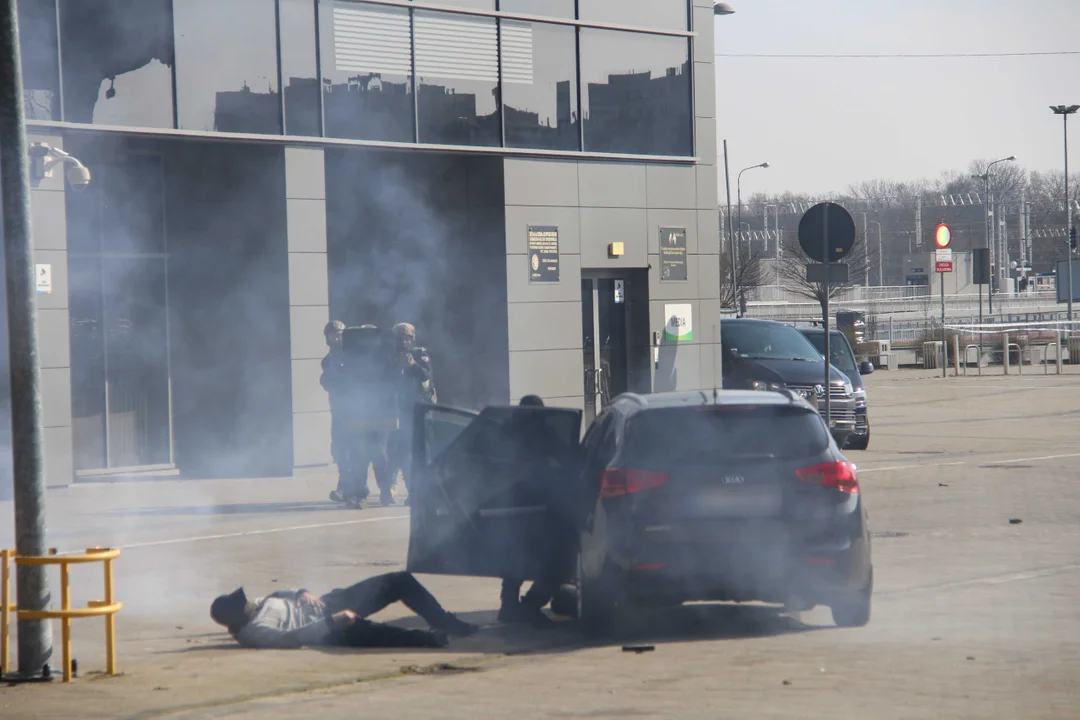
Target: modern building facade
(532, 183)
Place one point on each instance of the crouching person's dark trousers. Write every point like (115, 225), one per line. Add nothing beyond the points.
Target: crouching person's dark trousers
(372, 595)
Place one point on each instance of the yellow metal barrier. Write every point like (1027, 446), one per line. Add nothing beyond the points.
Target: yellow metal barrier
(107, 607)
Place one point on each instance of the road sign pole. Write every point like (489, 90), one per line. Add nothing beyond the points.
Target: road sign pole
(944, 339)
(943, 264)
(32, 582)
(825, 319)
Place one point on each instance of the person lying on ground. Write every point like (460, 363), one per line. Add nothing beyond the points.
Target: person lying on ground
(295, 618)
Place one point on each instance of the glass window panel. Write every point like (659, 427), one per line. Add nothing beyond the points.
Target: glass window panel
(40, 63)
(116, 60)
(637, 96)
(367, 71)
(299, 69)
(87, 362)
(551, 8)
(226, 66)
(467, 4)
(661, 14)
(539, 68)
(457, 70)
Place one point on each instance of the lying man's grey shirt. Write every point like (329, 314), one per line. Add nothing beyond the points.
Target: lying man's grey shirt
(282, 622)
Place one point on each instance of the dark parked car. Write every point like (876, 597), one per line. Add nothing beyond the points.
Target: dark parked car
(844, 358)
(676, 497)
(768, 355)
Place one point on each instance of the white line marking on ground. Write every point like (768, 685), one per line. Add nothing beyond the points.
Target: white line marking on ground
(992, 580)
(965, 462)
(267, 531)
(1031, 459)
(909, 467)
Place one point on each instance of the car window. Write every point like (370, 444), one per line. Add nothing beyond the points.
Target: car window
(766, 341)
(503, 433)
(708, 435)
(441, 428)
(838, 349)
(600, 444)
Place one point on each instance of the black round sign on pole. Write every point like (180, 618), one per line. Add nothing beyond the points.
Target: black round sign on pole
(841, 232)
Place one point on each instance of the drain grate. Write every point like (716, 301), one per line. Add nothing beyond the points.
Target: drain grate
(889, 534)
(920, 452)
(1006, 467)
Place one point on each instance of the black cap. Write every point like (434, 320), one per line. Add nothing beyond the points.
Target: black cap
(228, 610)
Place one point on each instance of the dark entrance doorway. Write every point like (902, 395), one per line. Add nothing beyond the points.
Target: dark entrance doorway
(615, 336)
(121, 399)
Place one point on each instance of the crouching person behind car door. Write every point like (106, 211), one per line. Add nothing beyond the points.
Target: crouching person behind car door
(537, 445)
(295, 618)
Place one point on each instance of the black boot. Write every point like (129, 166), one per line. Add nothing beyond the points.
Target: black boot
(510, 605)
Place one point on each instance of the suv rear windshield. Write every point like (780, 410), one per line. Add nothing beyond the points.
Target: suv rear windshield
(711, 434)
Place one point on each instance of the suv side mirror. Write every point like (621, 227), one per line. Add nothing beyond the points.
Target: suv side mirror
(866, 367)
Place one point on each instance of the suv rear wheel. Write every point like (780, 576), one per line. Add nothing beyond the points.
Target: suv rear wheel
(852, 609)
(597, 606)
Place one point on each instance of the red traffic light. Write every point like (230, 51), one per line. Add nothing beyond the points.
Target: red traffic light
(942, 236)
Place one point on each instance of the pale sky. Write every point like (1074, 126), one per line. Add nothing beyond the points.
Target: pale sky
(823, 124)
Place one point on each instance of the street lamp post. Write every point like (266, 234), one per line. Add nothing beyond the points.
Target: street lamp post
(1065, 111)
(880, 267)
(738, 191)
(985, 177)
(721, 9)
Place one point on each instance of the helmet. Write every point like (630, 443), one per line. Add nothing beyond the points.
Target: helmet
(334, 326)
(404, 330)
(531, 401)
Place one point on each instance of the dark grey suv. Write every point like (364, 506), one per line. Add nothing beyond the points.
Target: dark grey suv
(768, 355)
(844, 358)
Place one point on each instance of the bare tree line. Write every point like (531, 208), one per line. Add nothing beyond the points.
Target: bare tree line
(892, 208)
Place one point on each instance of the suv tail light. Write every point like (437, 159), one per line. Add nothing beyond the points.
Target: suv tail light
(621, 481)
(837, 475)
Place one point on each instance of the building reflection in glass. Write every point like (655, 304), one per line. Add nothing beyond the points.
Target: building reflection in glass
(367, 71)
(637, 96)
(539, 76)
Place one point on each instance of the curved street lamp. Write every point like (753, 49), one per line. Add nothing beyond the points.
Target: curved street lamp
(985, 177)
(1065, 111)
(738, 188)
(722, 8)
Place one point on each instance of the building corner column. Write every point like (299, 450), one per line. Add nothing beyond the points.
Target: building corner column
(309, 311)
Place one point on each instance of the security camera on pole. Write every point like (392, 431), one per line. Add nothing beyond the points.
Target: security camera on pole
(943, 263)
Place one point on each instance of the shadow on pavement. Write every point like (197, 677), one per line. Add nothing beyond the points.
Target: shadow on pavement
(688, 623)
(228, 509)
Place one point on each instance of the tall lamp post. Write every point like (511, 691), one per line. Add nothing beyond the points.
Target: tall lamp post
(985, 177)
(1065, 111)
(880, 266)
(738, 191)
(721, 9)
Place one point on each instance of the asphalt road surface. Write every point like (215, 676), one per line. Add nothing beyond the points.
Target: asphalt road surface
(975, 614)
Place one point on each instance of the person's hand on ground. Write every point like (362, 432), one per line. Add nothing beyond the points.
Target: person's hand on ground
(345, 618)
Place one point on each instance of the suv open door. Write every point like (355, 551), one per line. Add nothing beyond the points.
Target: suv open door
(486, 489)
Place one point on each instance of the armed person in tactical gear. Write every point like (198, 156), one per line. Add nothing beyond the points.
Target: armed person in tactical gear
(367, 409)
(332, 382)
(416, 385)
